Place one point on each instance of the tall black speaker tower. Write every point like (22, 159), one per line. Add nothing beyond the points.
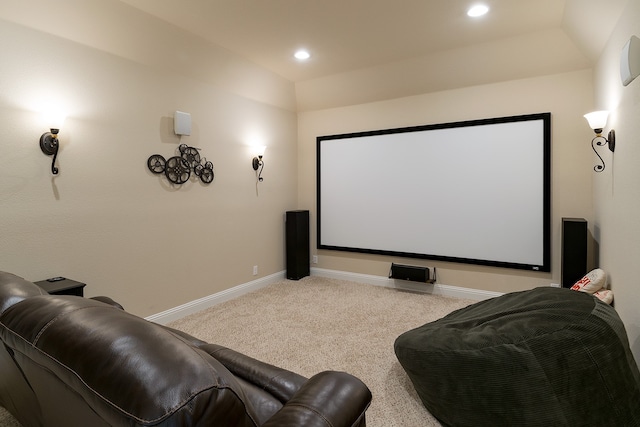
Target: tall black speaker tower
(297, 241)
(574, 250)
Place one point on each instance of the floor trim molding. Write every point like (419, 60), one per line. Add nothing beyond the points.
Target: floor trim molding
(434, 289)
(183, 310)
(191, 307)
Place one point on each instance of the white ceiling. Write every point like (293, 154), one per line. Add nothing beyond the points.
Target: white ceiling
(347, 35)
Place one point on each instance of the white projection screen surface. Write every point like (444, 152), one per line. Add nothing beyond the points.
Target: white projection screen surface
(475, 192)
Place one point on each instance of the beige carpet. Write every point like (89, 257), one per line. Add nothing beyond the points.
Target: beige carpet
(317, 324)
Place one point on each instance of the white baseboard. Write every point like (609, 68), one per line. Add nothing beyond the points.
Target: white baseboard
(183, 310)
(434, 289)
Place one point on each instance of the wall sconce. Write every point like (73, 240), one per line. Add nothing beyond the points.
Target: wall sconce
(598, 120)
(49, 140)
(258, 163)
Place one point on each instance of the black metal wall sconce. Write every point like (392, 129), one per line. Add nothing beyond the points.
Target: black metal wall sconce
(49, 143)
(258, 163)
(598, 120)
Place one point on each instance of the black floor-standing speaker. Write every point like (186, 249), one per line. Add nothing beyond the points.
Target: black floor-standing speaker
(574, 250)
(297, 242)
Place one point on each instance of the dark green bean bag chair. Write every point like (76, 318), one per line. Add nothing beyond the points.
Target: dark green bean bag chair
(544, 357)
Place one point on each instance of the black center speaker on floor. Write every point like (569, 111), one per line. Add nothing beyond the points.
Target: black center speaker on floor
(412, 273)
(297, 244)
(574, 250)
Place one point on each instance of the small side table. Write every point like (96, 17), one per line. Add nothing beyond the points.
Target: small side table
(62, 286)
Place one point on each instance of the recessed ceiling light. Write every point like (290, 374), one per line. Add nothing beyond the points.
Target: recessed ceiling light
(478, 10)
(302, 55)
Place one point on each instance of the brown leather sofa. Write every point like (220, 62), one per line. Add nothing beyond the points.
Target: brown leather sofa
(73, 361)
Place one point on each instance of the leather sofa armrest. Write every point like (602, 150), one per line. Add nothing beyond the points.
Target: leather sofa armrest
(185, 336)
(281, 383)
(329, 398)
(108, 301)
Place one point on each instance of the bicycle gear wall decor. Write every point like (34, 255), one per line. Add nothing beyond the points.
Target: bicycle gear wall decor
(178, 169)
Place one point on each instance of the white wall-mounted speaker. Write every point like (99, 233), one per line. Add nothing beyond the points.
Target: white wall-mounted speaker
(182, 123)
(630, 61)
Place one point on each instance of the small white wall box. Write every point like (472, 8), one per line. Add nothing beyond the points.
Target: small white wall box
(630, 61)
(182, 123)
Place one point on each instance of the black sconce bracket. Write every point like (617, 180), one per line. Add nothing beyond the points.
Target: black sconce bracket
(258, 163)
(600, 141)
(49, 145)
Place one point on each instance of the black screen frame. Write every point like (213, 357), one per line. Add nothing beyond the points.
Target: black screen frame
(544, 266)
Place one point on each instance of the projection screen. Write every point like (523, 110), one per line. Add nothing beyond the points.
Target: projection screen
(475, 192)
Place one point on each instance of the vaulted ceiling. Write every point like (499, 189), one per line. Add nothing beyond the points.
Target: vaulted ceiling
(343, 36)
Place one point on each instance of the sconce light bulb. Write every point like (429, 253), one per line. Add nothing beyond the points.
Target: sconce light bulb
(54, 118)
(597, 120)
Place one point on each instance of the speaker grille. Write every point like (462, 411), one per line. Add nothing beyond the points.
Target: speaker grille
(574, 250)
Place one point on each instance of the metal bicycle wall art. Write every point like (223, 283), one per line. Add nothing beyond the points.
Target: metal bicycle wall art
(178, 169)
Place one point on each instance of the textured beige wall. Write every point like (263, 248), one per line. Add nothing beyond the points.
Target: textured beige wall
(105, 219)
(567, 96)
(616, 195)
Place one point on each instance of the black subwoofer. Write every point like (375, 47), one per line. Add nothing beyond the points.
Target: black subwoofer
(297, 244)
(574, 250)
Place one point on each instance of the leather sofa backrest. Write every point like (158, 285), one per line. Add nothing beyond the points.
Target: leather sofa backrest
(14, 289)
